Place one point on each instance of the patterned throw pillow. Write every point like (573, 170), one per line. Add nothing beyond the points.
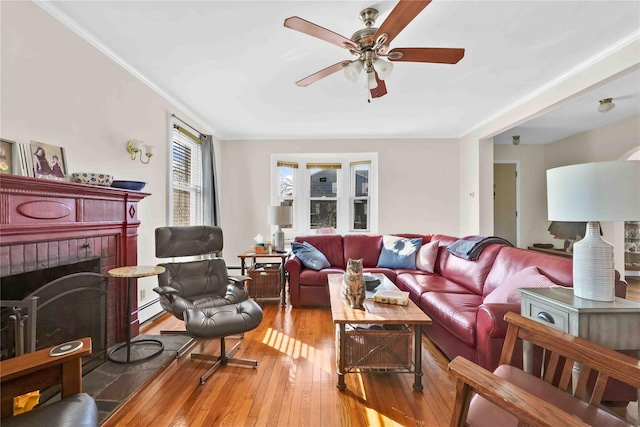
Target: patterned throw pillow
(310, 256)
(399, 252)
(427, 255)
(508, 292)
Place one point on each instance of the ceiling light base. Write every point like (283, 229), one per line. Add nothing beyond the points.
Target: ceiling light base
(368, 17)
(606, 105)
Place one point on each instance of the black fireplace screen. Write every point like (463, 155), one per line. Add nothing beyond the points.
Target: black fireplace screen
(68, 308)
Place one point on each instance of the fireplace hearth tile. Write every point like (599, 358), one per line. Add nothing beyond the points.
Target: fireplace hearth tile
(111, 384)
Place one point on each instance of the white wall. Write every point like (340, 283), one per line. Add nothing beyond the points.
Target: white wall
(476, 169)
(605, 143)
(418, 185)
(58, 89)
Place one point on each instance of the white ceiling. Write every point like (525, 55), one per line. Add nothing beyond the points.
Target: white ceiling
(232, 64)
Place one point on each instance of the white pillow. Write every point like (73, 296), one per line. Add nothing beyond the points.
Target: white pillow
(427, 255)
(508, 292)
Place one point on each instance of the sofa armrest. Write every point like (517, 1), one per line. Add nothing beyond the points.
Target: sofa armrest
(37, 371)
(518, 402)
(490, 332)
(294, 268)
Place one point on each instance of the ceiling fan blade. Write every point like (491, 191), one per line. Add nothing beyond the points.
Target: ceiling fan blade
(306, 27)
(379, 91)
(426, 54)
(322, 73)
(400, 16)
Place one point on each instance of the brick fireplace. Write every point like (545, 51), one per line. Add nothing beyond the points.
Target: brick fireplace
(46, 223)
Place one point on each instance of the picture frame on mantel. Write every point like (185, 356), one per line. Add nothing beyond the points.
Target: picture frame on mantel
(8, 157)
(49, 161)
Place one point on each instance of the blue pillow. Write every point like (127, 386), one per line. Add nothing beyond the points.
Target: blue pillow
(399, 252)
(309, 256)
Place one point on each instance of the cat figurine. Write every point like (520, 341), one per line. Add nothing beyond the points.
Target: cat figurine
(353, 285)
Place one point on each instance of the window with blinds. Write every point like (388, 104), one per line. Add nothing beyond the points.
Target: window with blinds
(359, 206)
(336, 191)
(186, 178)
(286, 185)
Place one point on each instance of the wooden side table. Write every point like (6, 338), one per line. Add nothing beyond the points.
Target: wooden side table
(611, 324)
(281, 256)
(131, 273)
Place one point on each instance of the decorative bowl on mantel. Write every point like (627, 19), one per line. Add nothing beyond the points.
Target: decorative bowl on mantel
(92, 178)
(129, 185)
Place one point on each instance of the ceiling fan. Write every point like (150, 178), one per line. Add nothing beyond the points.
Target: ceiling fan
(371, 44)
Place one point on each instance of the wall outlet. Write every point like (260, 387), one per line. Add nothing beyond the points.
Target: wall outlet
(143, 293)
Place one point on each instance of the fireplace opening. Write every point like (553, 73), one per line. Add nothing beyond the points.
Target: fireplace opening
(69, 307)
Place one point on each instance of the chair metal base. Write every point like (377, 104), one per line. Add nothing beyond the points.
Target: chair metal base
(223, 359)
(186, 346)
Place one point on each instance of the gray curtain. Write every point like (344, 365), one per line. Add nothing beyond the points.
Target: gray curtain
(210, 201)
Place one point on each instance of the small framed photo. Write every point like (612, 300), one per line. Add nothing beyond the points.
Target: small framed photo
(8, 154)
(48, 161)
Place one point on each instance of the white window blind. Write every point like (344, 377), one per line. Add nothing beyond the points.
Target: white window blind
(186, 181)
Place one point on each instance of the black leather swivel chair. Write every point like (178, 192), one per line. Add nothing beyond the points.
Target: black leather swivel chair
(195, 284)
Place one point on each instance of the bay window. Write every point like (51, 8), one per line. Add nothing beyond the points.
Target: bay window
(335, 192)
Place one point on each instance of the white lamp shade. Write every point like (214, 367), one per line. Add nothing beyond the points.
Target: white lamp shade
(383, 68)
(602, 191)
(280, 215)
(353, 70)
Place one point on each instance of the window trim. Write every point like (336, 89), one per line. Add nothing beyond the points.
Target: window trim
(301, 186)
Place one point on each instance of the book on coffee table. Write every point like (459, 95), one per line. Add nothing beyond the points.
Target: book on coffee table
(391, 297)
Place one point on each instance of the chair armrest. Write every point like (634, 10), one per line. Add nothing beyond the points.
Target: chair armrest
(518, 402)
(239, 280)
(165, 290)
(37, 371)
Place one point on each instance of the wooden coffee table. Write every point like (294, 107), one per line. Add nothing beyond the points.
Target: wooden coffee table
(380, 314)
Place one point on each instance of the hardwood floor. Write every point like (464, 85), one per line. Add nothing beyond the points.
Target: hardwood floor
(294, 384)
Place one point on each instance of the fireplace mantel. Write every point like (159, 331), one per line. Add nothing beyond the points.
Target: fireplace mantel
(46, 223)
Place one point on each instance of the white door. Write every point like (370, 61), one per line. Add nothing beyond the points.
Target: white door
(505, 202)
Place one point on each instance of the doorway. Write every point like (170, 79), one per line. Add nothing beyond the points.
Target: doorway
(506, 201)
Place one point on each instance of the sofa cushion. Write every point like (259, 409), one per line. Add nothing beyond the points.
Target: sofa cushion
(399, 252)
(330, 245)
(309, 255)
(310, 277)
(420, 283)
(427, 255)
(455, 312)
(512, 260)
(472, 274)
(365, 246)
(508, 292)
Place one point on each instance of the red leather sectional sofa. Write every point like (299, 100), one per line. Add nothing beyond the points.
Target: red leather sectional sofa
(452, 296)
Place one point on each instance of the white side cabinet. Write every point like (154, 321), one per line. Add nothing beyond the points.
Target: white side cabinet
(615, 325)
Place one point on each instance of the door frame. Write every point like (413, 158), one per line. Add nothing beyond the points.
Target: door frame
(518, 211)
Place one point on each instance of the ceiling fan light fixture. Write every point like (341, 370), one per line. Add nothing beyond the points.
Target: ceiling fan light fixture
(383, 68)
(353, 70)
(369, 80)
(606, 105)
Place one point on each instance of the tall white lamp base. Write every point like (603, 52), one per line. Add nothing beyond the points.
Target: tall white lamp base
(278, 240)
(593, 270)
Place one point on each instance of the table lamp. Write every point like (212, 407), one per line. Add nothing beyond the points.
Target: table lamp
(593, 192)
(279, 215)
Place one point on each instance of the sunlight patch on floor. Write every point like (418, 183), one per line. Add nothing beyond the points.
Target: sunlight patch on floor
(292, 347)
